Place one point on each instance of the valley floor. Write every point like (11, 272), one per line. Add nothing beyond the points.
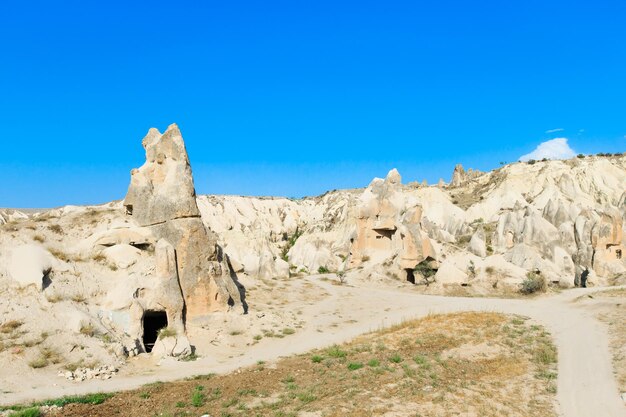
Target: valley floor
(335, 314)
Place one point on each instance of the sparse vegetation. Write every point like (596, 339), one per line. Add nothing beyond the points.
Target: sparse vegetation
(533, 283)
(99, 257)
(55, 228)
(88, 330)
(425, 270)
(322, 270)
(59, 254)
(28, 412)
(166, 332)
(198, 398)
(341, 275)
(10, 326)
(347, 379)
(47, 356)
(291, 240)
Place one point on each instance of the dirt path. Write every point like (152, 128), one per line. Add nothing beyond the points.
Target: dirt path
(586, 385)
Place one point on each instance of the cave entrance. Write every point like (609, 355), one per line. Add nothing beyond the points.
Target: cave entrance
(410, 275)
(384, 233)
(153, 321)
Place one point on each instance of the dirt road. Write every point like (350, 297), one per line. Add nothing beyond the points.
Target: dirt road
(586, 385)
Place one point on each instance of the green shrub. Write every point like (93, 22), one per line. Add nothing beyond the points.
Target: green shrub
(353, 366)
(396, 358)
(336, 352)
(531, 162)
(580, 156)
(198, 397)
(28, 412)
(373, 363)
(425, 270)
(533, 283)
(317, 358)
(322, 270)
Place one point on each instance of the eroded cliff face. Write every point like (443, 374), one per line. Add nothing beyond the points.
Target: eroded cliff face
(485, 232)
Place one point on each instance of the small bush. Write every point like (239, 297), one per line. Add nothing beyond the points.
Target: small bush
(580, 156)
(396, 358)
(88, 330)
(288, 331)
(533, 283)
(353, 366)
(40, 362)
(39, 238)
(59, 254)
(531, 162)
(189, 358)
(10, 326)
(316, 358)
(373, 363)
(99, 257)
(56, 229)
(198, 398)
(322, 270)
(166, 332)
(336, 352)
(545, 355)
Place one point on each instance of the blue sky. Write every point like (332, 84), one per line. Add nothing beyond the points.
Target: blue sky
(295, 98)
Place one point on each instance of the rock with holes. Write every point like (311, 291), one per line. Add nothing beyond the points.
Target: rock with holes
(163, 294)
(388, 228)
(161, 197)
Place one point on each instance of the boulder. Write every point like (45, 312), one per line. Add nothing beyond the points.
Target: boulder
(122, 256)
(29, 264)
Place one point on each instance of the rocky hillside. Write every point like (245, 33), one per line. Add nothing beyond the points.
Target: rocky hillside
(164, 256)
(557, 219)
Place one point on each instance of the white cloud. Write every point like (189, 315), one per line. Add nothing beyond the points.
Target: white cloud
(554, 130)
(551, 149)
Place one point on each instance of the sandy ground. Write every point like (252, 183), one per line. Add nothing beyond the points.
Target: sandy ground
(334, 314)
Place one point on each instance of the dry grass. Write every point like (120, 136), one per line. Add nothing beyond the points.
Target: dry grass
(410, 369)
(60, 254)
(47, 356)
(10, 326)
(55, 228)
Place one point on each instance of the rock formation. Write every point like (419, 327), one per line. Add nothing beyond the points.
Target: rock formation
(161, 196)
(461, 177)
(388, 228)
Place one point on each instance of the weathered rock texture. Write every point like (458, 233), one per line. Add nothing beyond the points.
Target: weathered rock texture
(388, 227)
(161, 196)
(89, 275)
